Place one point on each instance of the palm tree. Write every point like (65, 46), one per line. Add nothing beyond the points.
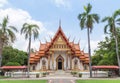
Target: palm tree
(112, 21)
(7, 35)
(86, 21)
(29, 30)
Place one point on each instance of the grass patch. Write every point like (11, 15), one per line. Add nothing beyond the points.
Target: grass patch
(98, 81)
(23, 81)
(2, 77)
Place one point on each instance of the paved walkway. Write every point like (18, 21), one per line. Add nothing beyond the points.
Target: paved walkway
(61, 81)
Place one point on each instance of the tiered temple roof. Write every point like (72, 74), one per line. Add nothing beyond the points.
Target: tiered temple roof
(44, 49)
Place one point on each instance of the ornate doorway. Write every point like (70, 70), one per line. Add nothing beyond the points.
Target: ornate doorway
(60, 63)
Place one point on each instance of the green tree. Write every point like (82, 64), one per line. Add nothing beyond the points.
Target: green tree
(112, 22)
(86, 21)
(12, 64)
(13, 55)
(29, 30)
(7, 35)
(106, 51)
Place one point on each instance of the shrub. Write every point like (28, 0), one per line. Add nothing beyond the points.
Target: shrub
(74, 73)
(80, 74)
(37, 75)
(44, 74)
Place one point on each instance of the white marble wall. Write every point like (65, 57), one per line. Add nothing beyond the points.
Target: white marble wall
(56, 54)
(63, 54)
(81, 66)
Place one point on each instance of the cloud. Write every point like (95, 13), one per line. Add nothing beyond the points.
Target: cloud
(17, 17)
(3, 2)
(93, 43)
(62, 3)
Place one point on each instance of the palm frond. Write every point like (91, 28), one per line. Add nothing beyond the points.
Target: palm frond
(90, 22)
(34, 25)
(4, 23)
(13, 28)
(96, 17)
(11, 35)
(82, 23)
(117, 20)
(26, 36)
(105, 19)
(89, 7)
(112, 30)
(80, 16)
(24, 28)
(105, 28)
(116, 13)
(36, 34)
(29, 30)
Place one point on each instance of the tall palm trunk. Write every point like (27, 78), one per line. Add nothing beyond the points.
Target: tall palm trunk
(1, 46)
(28, 68)
(117, 50)
(89, 51)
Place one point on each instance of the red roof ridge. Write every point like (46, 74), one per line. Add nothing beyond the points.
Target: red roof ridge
(13, 67)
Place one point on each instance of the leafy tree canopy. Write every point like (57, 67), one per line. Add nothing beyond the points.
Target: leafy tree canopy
(106, 54)
(12, 64)
(13, 56)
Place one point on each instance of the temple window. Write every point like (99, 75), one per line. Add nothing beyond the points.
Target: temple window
(64, 46)
(59, 46)
(33, 67)
(76, 61)
(43, 62)
(85, 67)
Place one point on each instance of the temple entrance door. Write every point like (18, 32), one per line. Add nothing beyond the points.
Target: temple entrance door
(59, 64)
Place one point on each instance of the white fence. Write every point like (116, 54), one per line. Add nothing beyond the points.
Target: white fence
(98, 74)
(23, 74)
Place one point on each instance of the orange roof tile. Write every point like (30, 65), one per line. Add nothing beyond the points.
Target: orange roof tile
(41, 52)
(42, 46)
(82, 57)
(76, 46)
(32, 54)
(86, 62)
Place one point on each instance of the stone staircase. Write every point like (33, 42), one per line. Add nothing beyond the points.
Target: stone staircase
(60, 73)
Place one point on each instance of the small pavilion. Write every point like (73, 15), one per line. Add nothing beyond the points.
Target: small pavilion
(111, 69)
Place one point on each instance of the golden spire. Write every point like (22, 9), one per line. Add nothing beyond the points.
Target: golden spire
(59, 23)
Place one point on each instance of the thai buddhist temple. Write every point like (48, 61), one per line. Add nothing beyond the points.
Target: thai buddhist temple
(59, 54)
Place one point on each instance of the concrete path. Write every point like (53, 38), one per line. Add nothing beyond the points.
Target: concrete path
(61, 81)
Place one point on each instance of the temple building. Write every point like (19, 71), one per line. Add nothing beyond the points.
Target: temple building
(59, 54)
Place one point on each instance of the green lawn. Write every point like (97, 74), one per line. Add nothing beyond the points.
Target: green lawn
(23, 81)
(98, 81)
(1, 77)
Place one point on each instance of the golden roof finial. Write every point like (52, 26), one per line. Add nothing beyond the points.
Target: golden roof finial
(50, 37)
(79, 41)
(69, 37)
(59, 23)
(73, 39)
(40, 41)
(45, 39)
